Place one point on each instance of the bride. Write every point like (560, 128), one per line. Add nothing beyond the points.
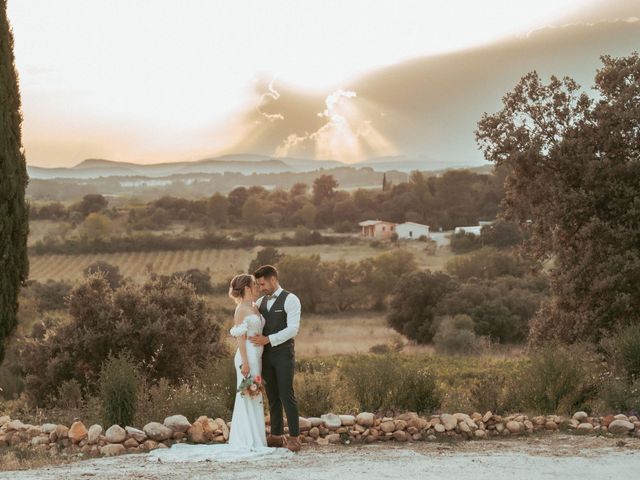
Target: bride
(247, 437)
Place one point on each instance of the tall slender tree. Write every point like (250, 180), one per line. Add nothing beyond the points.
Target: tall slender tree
(14, 223)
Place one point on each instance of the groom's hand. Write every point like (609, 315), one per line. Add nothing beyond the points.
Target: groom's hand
(259, 340)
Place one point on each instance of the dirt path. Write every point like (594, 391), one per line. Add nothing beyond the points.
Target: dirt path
(559, 456)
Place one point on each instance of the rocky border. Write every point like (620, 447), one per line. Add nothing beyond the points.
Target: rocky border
(328, 429)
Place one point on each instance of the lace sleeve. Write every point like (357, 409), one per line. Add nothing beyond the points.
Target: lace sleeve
(238, 330)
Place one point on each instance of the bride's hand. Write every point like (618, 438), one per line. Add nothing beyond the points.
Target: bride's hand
(244, 369)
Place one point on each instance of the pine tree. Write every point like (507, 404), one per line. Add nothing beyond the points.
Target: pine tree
(384, 182)
(14, 224)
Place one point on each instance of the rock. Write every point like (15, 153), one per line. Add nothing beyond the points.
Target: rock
(487, 416)
(331, 420)
(15, 425)
(347, 420)
(400, 435)
(400, 424)
(138, 435)
(304, 424)
(197, 433)
(418, 422)
(480, 434)
(449, 421)
(580, 416)
(4, 419)
(573, 424)
(115, 434)
(149, 445)
(464, 427)
(157, 431)
(618, 427)
(584, 428)
(528, 425)
(314, 432)
(324, 441)
(333, 438)
(439, 428)
(77, 432)
(61, 432)
(94, 434)
(551, 425)
(177, 423)
(621, 416)
(365, 419)
(130, 443)
(514, 427)
(315, 421)
(46, 428)
(606, 421)
(388, 427)
(113, 449)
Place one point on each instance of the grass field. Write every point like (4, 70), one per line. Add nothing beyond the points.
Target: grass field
(222, 263)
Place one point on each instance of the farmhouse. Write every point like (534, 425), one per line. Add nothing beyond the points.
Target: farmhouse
(377, 228)
(474, 229)
(412, 230)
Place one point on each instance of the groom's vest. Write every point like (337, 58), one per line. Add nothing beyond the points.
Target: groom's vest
(275, 320)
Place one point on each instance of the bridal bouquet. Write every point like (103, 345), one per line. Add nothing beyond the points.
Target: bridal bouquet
(252, 386)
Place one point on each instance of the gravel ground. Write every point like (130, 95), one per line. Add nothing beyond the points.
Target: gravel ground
(538, 457)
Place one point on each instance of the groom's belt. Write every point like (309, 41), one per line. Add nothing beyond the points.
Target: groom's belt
(282, 346)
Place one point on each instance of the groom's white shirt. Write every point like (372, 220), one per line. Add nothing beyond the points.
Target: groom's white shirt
(293, 308)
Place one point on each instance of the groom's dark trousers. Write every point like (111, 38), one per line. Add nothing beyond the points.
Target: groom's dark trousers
(278, 366)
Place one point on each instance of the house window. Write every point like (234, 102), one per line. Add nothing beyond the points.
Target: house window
(410, 233)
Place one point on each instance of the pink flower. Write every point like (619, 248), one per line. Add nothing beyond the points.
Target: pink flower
(258, 379)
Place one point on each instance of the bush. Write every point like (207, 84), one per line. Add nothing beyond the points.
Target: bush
(50, 295)
(110, 272)
(455, 336)
(558, 378)
(618, 395)
(464, 242)
(501, 234)
(164, 325)
(200, 279)
(70, 395)
(314, 393)
(265, 256)
(384, 382)
(119, 382)
(623, 350)
(486, 263)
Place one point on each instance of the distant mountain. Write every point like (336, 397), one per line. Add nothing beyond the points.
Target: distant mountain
(239, 163)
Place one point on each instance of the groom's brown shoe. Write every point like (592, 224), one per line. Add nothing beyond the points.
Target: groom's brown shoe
(275, 441)
(293, 443)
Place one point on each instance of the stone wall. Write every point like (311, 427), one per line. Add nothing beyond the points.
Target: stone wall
(77, 439)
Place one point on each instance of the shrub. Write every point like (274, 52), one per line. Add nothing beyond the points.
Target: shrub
(314, 393)
(486, 263)
(200, 279)
(623, 350)
(558, 378)
(464, 242)
(164, 325)
(455, 335)
(119, 382)
(111, 272)
(265, 256)
(50, 295)
(418, 392)
(70, 395)
(619, 395)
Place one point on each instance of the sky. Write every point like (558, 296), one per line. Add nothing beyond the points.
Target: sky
(152, 81)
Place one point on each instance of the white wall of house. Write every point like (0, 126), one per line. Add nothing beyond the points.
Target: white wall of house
(412, 230)
(475, 230)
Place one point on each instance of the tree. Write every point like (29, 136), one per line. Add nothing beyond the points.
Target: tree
(266, 256)
(573, 172)
(219, 209)
(14, 222)
(91, 203)
(96, 225)
(309, 277)
(413, 304)
(324, 188)
(253, 212)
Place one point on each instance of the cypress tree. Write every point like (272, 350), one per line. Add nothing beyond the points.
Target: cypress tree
(14, 223)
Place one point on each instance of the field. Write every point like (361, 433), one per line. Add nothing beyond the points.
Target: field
(222, 263)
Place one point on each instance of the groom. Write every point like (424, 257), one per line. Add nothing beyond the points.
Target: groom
(281, 311)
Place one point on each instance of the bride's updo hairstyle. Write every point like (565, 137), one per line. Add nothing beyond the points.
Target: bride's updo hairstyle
(238, 284)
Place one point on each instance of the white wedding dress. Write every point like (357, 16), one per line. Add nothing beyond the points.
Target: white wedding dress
(247, 437)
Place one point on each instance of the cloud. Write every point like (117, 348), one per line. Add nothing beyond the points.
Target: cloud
(271, 95)
(346, 135)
